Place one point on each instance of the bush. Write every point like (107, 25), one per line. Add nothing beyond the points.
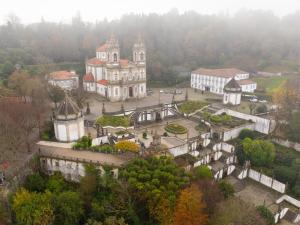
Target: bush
(223, 118)
(175, 128)
(145, 135)
(259, 152)
(127, 146)
(285, 174)
(35, 182)
(261, 109)
(83, 143)
(165, 134)
(267, 214)
(104, 148)
(114, 121)
(247, 133)
(226, 188)
(202, 172)
(191, 106)
(56, 183)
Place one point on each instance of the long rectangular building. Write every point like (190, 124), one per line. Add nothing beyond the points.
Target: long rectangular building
(214, 80)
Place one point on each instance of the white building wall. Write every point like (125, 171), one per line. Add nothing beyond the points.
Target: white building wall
(261, 125)
(232, 98)
(68, 131)
(71, 170)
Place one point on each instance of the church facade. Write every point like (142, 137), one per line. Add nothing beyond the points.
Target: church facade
(114, 78)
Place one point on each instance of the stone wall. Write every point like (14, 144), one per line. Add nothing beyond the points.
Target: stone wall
(263, 179)
(234, 133)
(287, 143)
(71, 170)
(262, 125)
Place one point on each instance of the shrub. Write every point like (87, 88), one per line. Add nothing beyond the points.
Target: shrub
(83, 143)
(34, 182)
(202, 172)
(191, 106)
(247, 133)
(267, 214)
(261, 109)
(145, 135)
(127, 146)
(56, 183)
(114, 121)
(285, 174)
(226, 188)
(175, 128)
(104, 148)
(259, 152)
(165, 134)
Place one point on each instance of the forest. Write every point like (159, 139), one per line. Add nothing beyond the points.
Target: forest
(176, 43)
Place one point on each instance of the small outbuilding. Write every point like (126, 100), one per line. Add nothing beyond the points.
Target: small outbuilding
(232, 93)
(68, 121)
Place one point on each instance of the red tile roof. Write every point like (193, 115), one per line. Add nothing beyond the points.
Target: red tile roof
(227, 72)
(102, 48)
(103, 82)
(88, 77)
(62, 75)
(245, 82)
(95, 61)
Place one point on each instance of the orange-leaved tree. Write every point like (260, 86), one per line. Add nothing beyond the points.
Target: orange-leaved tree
(127, 146)
(190, 208)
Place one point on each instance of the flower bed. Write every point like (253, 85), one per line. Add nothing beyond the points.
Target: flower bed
(175, 128)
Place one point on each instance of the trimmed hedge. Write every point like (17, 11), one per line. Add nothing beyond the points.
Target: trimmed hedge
(175, 128)
(114, 121)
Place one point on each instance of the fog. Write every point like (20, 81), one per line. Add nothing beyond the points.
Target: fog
(31, 11)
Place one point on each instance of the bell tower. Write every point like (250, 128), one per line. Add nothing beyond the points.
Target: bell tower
(113, 50)
(139, 52)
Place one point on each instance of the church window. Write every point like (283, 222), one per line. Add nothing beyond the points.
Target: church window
(116, 91)
(115, 57)
(142, 56)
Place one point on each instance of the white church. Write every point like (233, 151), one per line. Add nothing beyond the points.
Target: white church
(115, 78)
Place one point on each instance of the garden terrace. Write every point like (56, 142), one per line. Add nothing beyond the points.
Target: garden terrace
(191, 106)
(114, 121)
(223, 120)
(83, 156)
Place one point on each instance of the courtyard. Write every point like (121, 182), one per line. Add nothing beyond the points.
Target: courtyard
(159, 96)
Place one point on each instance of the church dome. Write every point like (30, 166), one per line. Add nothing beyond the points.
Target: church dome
(232, 86)
(67, 110)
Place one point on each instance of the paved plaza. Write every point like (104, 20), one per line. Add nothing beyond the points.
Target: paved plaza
(96, 102)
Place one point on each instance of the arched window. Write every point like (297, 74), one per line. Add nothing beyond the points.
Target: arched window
(115, 57)
(141, 56)
(135, 56)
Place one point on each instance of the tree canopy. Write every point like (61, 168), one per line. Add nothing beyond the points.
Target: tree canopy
(259, 152)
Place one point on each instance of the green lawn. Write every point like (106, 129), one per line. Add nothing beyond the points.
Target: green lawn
(269, 84)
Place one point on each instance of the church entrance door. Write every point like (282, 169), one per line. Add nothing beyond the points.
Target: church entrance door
(130, 92)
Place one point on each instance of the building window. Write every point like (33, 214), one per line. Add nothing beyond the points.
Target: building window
(115, 57)
(116, 91)
(142, 89)
(142, 56)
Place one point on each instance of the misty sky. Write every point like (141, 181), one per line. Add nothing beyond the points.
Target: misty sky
(91, 10)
